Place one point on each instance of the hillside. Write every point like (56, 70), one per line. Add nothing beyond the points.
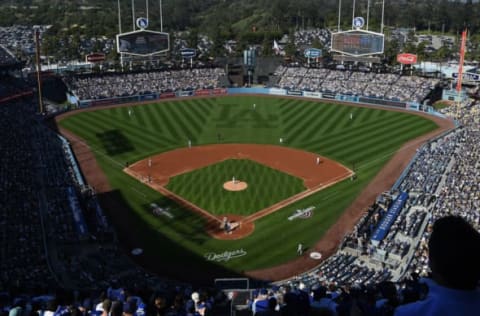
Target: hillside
(240, 16)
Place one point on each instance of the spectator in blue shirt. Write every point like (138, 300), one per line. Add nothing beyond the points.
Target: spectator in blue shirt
(454, 258)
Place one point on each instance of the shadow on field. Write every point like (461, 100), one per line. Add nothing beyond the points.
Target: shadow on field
(115, 143)
(167, 212)
(161, 255)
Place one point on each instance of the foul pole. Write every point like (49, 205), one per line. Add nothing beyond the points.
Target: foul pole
(462, 60)
(460, 68)
(39, 69)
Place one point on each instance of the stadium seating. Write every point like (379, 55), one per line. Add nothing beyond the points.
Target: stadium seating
(40, 189)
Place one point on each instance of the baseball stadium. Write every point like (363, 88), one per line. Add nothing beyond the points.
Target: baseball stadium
(179, 154)
(163, 178)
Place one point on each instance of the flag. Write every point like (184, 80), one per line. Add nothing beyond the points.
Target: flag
(276, 48)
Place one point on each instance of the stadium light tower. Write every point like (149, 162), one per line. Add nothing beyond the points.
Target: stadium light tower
(133, 15)
(119, 18)
(160, 4)
(359, 43)
(353, 14)
(383, 15)
(368, 12)
(141, 43)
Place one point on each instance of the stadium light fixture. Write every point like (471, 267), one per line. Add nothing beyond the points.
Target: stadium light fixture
(353, 14)
(161, 16)
(339, 14)
(367, 17)
(368, 12)
(133, 14)
(383, 14)
(146, 9)
(119, 18)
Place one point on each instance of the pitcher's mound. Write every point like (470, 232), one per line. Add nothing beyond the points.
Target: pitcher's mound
(235, 185)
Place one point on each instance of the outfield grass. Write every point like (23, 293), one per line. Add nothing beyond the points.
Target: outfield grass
(366, 143)
(204, 187)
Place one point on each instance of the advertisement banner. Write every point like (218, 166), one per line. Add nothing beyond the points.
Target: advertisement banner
(294, 92)
(115, 100)
(188, 52)
(219, 91)
(312, 53)
(84, 104)
(102, 102)
(382, 102)
(407, 59)
(95, 57)
(467, 76)
(413, 106)
(184, 93)
(389, 218)
(148, 97)
(167, 95)
(276, 91)
(315, 95)
(202, 92)
(328, 95)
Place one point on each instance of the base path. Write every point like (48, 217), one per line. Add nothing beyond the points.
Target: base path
(156, 172)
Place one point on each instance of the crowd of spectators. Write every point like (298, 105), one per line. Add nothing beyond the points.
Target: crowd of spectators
(451, 288)
(369, 84)
(22, 253)
(10, 86)
(455, 166)
(442, 180)
(204, 44)
(115, 300)
(20, 37)
(51, 229)
(109, 86)
(305, 38)
(20, 40)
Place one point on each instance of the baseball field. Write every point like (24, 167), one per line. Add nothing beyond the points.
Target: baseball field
(176, 238)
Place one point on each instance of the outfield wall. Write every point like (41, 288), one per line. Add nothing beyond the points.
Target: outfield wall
(325, 96)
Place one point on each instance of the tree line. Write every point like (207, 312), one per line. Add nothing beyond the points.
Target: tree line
(238, 16)
(246, 21)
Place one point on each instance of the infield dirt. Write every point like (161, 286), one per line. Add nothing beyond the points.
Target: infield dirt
(157, 170)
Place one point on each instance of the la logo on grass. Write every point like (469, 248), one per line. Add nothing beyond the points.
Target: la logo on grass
(225, 256)
(232, 116)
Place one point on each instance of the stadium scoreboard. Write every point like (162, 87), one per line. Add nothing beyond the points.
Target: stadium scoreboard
(357, 43)
(143, 43)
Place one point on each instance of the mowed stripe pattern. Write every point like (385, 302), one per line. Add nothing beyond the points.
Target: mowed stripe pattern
(328, 129)
(266, 186)
(312, 126)
(128, 134)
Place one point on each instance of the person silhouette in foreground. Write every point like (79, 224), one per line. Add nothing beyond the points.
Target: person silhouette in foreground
(454, 258)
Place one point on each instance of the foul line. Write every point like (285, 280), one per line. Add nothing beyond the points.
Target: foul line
(284, 203)
(248, 219)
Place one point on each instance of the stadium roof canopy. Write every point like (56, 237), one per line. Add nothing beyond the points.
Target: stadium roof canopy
(446, 69)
